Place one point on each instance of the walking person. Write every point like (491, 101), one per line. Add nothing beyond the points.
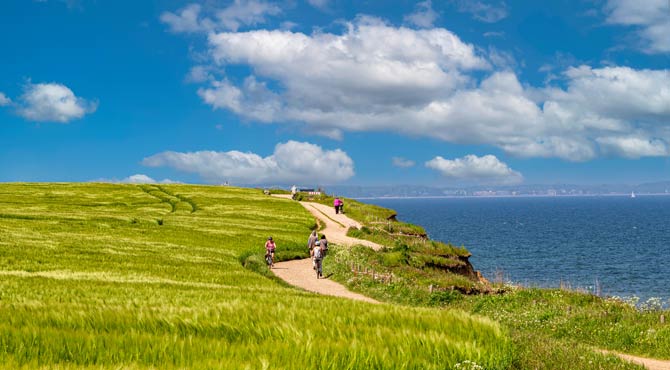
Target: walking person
(336, 204)
(320, 252)
(317, 259)
(323, 245)
(270, 247)
(311, 242)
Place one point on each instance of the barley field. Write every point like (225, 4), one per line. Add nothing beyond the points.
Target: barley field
(150, 276)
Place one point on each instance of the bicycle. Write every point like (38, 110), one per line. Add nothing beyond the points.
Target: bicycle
(268, 259)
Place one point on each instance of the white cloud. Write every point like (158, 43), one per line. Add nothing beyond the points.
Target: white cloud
(52, 102)
(633, 147)
(402, 162)
(319, 4)
(138, 179)
(4, 100)
(487, 169)
(364, 71)
(191, 18)
(246, 13)
(291, 162)
(423, 16)
(376, 77)
(187, 20)
(651, 17)
(482, 11)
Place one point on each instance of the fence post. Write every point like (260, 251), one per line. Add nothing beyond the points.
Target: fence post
(662, 319)
(430, 288)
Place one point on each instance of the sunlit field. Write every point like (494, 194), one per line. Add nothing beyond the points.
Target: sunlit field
(149, 276)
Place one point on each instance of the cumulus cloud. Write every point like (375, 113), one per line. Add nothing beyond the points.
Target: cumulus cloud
(193, 18)
(633, 147)
(482, 11)
(429, 83)
(650, 17)
(402, 162)
(138, 179)
(291, 162)
(486, 169)
(4, 100)
(362, 72)
(187, 20)
(423, 16)
(52, 102)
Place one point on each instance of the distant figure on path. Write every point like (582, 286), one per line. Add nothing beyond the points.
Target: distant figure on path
(320, 251)
(337, 203)
(311, 242)
(270, 247)
(317, 259)
(323, 245)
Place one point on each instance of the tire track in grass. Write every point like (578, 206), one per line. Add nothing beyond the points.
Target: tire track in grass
(165, 196)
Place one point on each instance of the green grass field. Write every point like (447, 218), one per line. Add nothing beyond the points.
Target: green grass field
(148, 276)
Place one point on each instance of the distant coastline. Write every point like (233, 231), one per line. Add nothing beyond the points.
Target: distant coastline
(508, 196)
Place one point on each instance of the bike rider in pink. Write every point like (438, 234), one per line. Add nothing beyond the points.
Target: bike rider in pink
(270, 249)
(337, 203)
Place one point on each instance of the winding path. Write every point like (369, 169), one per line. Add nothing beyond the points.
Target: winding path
(300, 273)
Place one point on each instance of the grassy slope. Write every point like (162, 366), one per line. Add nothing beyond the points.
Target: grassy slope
(106, 275)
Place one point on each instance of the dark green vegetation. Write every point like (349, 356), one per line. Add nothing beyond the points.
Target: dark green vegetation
(409, 255)
(149, 276)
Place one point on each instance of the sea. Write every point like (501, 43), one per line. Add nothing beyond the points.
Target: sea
(605, 245)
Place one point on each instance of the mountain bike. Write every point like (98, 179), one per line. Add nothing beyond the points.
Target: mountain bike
(268, 259)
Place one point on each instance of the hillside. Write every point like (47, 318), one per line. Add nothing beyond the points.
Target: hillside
(148, 276)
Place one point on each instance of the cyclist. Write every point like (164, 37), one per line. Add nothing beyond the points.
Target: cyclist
(270, 250)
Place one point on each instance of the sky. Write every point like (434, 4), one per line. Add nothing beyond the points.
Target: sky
(325, 92)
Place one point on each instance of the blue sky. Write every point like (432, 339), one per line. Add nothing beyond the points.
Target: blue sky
(335, 92)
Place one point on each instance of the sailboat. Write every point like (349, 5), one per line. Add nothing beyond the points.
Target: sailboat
(632, 194)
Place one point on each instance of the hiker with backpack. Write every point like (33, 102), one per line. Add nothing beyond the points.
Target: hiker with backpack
(311, 242)
(320, 250)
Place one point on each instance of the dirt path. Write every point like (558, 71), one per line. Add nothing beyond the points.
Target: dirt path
(300, 273)
(649, 363)
(336, 225)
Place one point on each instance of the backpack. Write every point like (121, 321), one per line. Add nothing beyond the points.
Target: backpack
(318, 254)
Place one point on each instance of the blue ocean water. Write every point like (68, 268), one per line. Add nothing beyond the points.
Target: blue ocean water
(613, 245)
